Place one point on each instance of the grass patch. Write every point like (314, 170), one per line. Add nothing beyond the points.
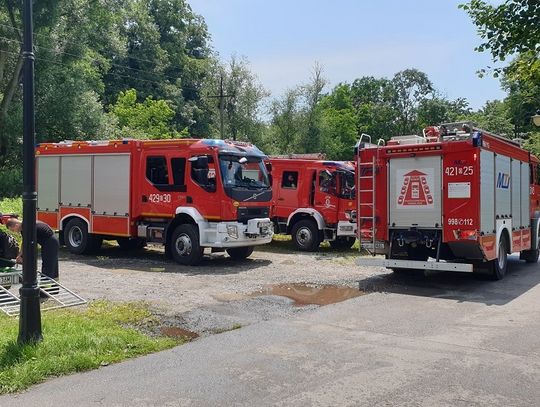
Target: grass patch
(11, 205)
(74, 341)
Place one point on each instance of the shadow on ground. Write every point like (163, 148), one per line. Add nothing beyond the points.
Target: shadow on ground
(461, 287)
(154, 260)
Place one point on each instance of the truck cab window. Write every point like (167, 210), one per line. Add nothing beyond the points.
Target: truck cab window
(156, 170)
(327, 182)
(178, 166)
(203, 173)
(290, 179)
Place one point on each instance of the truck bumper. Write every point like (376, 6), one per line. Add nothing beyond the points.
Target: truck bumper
(235, 234)
(414, 264)
(346, 228)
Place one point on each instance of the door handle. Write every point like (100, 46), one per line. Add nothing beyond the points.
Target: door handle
(281, 199)
(144, 198)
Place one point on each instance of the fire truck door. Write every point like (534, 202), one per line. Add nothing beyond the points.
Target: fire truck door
(326, 200)
(415, 192)
(156, 190)
(287, 193)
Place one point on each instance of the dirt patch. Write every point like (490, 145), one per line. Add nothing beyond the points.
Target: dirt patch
(177, 332)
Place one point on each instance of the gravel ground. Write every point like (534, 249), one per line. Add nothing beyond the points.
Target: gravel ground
(214, 296)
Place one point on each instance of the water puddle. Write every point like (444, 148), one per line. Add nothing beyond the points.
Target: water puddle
(303, 294)
(177, 332)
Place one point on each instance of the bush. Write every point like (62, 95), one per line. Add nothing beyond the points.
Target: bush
(10, 182)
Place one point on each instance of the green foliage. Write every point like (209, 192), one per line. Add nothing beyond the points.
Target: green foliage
(11, 205)
(338, 124)
(242, 104)
(508, 28)
(494, 117)
(149, 119)
(10, 182)
(533, 143)
(75, 341)
(410, 88)
(296, 118)
(441, 110)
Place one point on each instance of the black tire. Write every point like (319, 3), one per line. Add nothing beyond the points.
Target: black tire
(127, 243)
(78, 240)
(342, 243)
(498, 267)
(531, 256)
(185, 246)
(240, 253)
(305, 236)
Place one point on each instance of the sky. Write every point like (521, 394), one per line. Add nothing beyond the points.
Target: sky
(350, 39)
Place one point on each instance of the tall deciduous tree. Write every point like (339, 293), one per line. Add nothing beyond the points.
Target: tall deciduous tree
(242, 100)
(409, 89)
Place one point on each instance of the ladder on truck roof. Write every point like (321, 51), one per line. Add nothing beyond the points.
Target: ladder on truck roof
(366, 238)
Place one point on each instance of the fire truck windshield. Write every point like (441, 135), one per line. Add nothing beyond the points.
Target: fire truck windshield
(243, 172)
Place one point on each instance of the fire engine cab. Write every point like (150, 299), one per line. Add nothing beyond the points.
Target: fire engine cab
(462, 196)
(186, 194)
(313, 201)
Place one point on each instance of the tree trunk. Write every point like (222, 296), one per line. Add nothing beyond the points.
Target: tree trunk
(6, 102)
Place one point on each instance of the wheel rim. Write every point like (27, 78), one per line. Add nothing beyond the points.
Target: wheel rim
(75, 236)
(501, 256)
(183, 245)
(304, 236)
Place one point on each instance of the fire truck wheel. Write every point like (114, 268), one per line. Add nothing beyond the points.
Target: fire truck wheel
(305, 236)
(77, 238)
(185, 247)
(342, 243)
(531, 256)
(499, 265)
(126, 243)
(240, 253)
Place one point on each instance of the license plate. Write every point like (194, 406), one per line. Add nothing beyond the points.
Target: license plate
(9, 278)
(369, 245)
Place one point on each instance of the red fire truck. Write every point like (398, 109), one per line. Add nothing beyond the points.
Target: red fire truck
(313, 201)
(185, 194)
(459, 195)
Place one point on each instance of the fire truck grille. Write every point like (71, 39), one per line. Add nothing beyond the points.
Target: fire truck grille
(245, 214)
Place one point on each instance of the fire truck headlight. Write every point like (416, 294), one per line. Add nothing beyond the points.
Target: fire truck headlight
(232, 231)
(350, 215)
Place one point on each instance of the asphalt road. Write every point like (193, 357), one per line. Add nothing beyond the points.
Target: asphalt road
(438, 340)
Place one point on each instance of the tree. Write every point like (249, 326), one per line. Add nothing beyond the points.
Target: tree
(296, 118)
(441, 110)
(312, 93)
(409, 89)
(338, 124)
(243, 97)
(285, 123)
(512, 27)
(494, 117)
(165, 55)
(149, 119)
(371, 99)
